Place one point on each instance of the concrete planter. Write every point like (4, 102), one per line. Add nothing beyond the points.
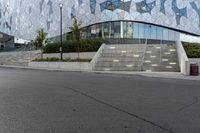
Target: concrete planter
(68, 66)
(82, 55)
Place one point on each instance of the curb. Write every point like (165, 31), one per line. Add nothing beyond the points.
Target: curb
(168, 75)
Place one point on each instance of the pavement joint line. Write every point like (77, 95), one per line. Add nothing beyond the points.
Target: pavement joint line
(121, 110)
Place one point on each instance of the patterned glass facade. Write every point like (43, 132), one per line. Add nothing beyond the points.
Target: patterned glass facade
(22, 18)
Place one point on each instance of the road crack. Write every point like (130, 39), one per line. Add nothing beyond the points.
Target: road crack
(122, 110)
(195, 101)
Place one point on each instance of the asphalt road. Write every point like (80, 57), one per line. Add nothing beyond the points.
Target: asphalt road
(36, 101)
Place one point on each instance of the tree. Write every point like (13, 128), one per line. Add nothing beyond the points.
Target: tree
(40, 38)
(76, 32)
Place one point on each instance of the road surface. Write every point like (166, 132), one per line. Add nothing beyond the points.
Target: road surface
(38, 101)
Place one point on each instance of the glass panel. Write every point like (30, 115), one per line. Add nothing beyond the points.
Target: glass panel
(99, 30)
(93, 6)
(171, 35)
(165, 34)
(153, 32)
(106, 29)
(84, 32)
(112, 30)
(124, 30)
(128, 30)
(159, 33)
(177, 35)
(93, 31)
(115, 29)
(141, 30)
(136, 30)
(89, 31)
(147, 29)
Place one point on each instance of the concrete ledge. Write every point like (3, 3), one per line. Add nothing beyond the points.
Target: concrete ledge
(67, 66)
(167, 75)
(81, 55)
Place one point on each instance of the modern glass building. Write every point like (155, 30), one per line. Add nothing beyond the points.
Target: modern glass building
(133, 19)
(129, 30)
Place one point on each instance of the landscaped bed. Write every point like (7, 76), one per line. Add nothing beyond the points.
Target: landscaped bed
(84, 45)
(192, 49)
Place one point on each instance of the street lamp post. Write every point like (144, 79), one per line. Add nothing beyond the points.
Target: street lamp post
(61, 43)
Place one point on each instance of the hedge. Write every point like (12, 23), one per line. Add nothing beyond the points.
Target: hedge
(86, 45)
(192, 49)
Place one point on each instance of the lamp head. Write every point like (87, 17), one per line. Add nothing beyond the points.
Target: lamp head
(61, 5)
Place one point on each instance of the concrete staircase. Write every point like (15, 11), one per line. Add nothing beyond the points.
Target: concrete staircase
(124, 57)
(161, 57)
(20, 58)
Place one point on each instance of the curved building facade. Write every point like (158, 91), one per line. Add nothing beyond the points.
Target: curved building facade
(154, 19)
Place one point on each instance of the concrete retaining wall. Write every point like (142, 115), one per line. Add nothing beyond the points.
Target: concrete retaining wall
(68, 66)
(183, 59)
(82, 55)
(97, 55)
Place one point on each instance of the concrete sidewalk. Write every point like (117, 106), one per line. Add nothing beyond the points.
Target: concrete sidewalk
(171, 75)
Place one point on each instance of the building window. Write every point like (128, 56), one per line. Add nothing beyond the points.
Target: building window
(128, 30)
(115, 29)
(83, 33)
(141, 30)
(93, 6)
(99, 30)
(106, 29)
(147, 31)
(136, 30)
(89, 32)
(171, 35)
(159, 33)
(165, 34)
(153, 32)
(93, 31)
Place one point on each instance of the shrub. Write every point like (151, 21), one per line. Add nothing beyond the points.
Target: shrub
(192, 49)
(85, 45)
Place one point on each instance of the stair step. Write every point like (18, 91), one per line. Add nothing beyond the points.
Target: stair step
(138, 58)
(118, 69)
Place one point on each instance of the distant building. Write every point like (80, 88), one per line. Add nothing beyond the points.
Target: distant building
(6, 42)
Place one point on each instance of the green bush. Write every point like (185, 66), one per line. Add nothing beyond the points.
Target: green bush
(85, 45)
(192, 49)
